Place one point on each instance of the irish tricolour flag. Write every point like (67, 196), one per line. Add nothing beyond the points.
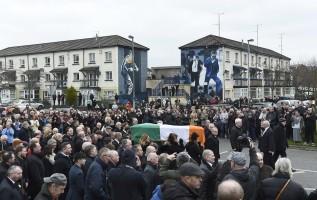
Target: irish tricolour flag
(161, 132)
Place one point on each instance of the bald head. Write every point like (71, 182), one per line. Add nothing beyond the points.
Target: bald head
(230, 190)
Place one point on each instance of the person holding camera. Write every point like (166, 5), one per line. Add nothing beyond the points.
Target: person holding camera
(247, 177)
(235, 133)
(266, 143)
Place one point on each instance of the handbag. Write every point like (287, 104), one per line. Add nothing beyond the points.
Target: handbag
(282, 190)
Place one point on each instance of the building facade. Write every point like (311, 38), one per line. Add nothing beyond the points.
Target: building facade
(100, 66)
(231, 69)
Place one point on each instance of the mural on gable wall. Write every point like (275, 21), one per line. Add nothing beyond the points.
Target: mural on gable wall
(203, 67)
(127, 68)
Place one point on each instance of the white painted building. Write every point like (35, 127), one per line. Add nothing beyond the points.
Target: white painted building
(91, 66)
(269, 71)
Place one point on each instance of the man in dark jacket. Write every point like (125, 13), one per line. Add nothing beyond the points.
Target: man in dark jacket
(36, 170)
(96, 179)
(63, 163)
(246, 177)
(266, 143)
(188, 186)
(9, 188)
(125, 176)
(76, 178)
(151, 174)
(310, 126)
(280, 139)
(235, 132)
(212, 143)
(52, 187)
(210, 167)
(8, 159)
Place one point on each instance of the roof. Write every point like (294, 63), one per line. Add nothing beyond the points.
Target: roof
(88, 43)
(212, 40)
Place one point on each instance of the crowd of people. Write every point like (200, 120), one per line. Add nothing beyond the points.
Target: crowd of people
(50, 154)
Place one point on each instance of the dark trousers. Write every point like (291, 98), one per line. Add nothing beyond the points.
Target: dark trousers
(268, 159)
(277, 154)
(309, 136)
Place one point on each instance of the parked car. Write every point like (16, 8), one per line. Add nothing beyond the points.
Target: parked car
(288, 102)
(23, 103)
(263, 105)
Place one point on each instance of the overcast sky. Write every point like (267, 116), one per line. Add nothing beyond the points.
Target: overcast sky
(163, 25)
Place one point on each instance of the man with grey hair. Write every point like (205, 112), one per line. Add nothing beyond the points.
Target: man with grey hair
(151, 174)
(9, 188)
(235, 132)
(230, 190)
(246, 177)
(266, 143)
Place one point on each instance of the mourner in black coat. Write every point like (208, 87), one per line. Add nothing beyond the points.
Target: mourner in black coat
(266, 143)
(280, 139)
(9, 190)
(36, 170)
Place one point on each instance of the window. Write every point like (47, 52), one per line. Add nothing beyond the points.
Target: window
(265, 62)
(227, 56)
(22, 77)
(47, 77)
(92, 58)
(46, 94)
(108, 56)
(282, 64)
(76, 77)
(108, 76)
(47, 61)
(34, 60)
(22, 63)
(276, 63)
(61, 60)
(252, 60)
(10, 63)
(271, 63)
(109, 94)
(259, 61)
(227, 75)
(76, 59)
(0, 64)
(245, 59)
(236, 58)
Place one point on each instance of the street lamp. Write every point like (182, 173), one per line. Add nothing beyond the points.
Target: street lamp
(249, 90)
(133, 77)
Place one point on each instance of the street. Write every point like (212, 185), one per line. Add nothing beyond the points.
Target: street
(305, 163)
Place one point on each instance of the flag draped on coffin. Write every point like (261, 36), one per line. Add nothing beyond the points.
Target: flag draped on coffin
(161, 132)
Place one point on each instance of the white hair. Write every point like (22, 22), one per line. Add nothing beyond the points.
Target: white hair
(207, 152)
(283, 165)
(237, 120)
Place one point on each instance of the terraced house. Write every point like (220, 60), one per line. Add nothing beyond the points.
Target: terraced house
(100, 66)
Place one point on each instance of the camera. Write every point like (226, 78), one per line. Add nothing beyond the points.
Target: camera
(244, 141)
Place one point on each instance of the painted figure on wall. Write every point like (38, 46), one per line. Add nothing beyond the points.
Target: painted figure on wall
(195, 67)
(212, 69)
(127, 70)
(202, 66)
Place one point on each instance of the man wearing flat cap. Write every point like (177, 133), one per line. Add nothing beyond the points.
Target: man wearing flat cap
(52, 187)
(280, 139)
(247, 177)
(188, 185)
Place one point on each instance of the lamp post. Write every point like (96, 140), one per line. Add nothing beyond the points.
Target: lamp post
(133, 77)
(249, 90)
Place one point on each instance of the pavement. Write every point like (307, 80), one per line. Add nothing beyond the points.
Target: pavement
(303, 161)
